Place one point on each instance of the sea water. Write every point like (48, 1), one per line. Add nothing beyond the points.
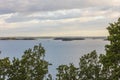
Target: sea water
(57, 51)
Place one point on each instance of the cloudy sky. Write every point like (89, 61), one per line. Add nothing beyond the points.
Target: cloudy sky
(57, 17)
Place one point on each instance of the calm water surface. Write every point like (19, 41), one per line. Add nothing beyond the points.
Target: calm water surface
(57, 52)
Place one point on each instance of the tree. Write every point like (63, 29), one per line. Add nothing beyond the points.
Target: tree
(111, 60)
(31, 66)
(4, 66)
(67, 72)
(90, 67)
(94, 67)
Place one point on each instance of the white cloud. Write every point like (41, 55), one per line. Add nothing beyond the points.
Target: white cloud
(30, 6)
(64, 14)
(58, 17)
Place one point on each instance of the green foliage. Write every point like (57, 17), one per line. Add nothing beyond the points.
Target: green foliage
(67, 72)
(90, 67)
(4, 66)
(111, 60)
(31, 66)
(103, 67)
(49, 77)
(114, 38)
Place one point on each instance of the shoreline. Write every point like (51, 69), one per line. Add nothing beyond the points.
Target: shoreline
(54, 38)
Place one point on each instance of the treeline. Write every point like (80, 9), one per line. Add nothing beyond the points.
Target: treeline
(33, 66)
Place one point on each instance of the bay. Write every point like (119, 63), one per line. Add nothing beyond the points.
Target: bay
(57, 51)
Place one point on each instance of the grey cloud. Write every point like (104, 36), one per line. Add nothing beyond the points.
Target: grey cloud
(35, 5)
(29, 6)
(55, 28)
(17, 18)
(56, 15)
(63, 14)
(6, 11)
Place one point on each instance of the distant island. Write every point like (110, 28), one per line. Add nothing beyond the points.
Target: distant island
(54, 38)
(17, 38)
(77, 38)
(68, 38)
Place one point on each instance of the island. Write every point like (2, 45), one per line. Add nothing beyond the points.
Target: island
(54, 38)
(17, 38)
(69, 38)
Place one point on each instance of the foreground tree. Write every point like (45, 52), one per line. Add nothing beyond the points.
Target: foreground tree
(90, 67)
(94, 67)
(67, 72)
(111, 60)
(31, 66)
(4, 66)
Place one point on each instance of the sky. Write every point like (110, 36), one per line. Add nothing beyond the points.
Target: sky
(57, 17)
